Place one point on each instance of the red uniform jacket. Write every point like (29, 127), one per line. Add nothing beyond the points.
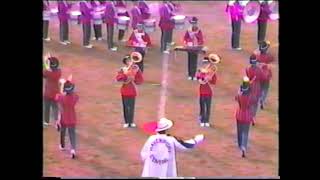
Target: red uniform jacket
(129, 90)
(110, 14)
(244, 113)
(265, 58)
(86, 9)
(266, 74)
(255, 86)
(68, 113)
(63, 8)
(134, 38)
(52, 83)
(205, 89)
(264, 12)
(136, 15)
(193, 36)
(235, 11)
(165, 22)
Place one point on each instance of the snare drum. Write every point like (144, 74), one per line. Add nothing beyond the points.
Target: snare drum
(46, 15)
(121, 10)
(149, 25)
(179, 21)
(97, 17)
(74, 16)
(54, 11)
(123, 22)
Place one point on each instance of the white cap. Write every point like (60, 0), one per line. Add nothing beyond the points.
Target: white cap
(164, 124)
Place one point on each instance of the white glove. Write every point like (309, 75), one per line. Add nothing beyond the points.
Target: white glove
(199, 138)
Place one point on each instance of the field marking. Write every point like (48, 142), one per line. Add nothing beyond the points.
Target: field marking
(164, 85)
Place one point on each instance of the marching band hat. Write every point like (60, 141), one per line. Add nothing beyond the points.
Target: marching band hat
(124, 60)
(164, 124)
(193, 20)
(264, 45)
(253, 59)
(54, 62)
(245, 84)
(68, 86)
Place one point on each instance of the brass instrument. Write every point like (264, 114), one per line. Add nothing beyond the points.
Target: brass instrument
(210, 69)
(132, 69)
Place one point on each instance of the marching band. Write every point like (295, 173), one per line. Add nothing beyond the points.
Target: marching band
(252, 92)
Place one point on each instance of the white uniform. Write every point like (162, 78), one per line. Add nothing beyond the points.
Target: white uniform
(158, 155)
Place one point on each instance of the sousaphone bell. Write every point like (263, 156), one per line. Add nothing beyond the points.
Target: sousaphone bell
(251, 12)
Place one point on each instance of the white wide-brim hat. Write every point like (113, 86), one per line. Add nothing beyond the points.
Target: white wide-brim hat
(164, 124)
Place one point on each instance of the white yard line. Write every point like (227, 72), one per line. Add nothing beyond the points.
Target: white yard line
(164, 85)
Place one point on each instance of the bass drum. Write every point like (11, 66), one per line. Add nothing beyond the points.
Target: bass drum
(251, 11)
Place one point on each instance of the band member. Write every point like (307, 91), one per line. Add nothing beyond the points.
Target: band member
(68, 119)
(235, 10)
(254, 73)
(263, 20)
(140, 40)
(144, 8)
(206, 76)
(136, 15)
(131, 76)
(86, 10)
(52, 74)
(63, 8)
(159, 151)
(243, 115)
(120, 4)
(173, 8)
(97, 28)
(166, 25)
(265, 84)
(193, 37)
(46, 10)
(110, 19)
(263, 56)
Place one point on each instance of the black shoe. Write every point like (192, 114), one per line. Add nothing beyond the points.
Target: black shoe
(261, 106)
(243, 154)
(73, 156)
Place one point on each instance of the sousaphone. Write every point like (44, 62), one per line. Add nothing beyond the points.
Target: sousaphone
(251, 11)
